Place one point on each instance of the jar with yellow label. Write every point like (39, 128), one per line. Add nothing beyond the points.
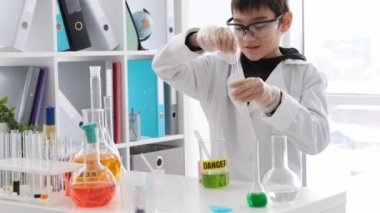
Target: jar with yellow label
(93, 184)
(213, 164)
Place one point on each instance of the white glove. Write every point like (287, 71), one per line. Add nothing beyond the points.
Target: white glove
(255, 89)
(213, 38)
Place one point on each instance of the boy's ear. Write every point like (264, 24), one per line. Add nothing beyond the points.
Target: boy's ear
(286, 21)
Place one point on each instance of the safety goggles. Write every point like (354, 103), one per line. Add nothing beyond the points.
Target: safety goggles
(257, 29)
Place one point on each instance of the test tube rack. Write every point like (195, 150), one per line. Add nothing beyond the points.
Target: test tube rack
(32, 169)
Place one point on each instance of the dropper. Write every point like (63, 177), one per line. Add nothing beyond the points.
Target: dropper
(256, 197)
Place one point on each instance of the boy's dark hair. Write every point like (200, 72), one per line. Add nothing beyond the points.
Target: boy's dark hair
(277, 6)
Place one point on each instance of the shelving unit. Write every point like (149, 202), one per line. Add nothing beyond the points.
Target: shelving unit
(42, 51)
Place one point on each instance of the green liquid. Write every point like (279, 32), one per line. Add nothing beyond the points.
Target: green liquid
(257, 200)
(215, 180)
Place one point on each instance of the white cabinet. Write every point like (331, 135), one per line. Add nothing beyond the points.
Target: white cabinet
(68, 70)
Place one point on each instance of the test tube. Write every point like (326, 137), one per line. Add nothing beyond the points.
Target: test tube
(15, 179)
(96, 87)
(108, 110)
(2, 173)
(7, 156)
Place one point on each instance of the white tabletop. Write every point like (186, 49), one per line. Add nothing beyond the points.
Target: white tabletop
(197, 198)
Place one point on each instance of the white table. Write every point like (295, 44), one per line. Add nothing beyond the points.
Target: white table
(198, 200)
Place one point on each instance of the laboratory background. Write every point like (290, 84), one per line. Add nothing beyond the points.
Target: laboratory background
(82, 77)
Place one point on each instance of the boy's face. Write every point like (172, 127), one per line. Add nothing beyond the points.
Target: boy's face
(262, 41)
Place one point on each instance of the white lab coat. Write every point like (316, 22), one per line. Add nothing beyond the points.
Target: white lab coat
(301, 116)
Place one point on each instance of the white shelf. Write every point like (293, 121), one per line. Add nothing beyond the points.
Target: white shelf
(147, 141)
(41, 167)
(21, 55)
(42, 51)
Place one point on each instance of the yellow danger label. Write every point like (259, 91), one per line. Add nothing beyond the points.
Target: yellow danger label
(214, 164)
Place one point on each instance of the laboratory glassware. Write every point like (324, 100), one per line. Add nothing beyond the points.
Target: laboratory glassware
(214, 163)
(280, 182)
(92, 185)
(109, 155)
(256, 197)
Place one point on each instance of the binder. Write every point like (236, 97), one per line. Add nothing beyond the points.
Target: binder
(12, 81)
(39, 96)
(101, 33)
(133, 42)
(171, 110)
(62, 40)
(170, 25)
(162, 12)
(146, 95)
(15, 22)
(117, 105)
(28, 94)
(74, 23)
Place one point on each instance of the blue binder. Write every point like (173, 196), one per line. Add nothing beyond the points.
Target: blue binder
(146, 95)
(62, 41)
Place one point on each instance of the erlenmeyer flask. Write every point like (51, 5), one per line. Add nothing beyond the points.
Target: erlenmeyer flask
(109, 155)
(256, 197)
(93, 184)
(281, 184)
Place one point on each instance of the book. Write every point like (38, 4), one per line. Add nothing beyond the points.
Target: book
(146, 95)
(15, 23)
(39, 97)
(101, 32)
(74, 24)
(62, 40)
(117, 99)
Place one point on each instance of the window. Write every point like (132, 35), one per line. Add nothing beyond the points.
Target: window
(342, 40)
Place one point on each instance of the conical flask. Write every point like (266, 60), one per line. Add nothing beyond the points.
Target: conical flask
(109, 155)
(256, 197)
(93, 184)
(281, 184)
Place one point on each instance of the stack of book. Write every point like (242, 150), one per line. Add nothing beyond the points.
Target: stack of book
(25, 88)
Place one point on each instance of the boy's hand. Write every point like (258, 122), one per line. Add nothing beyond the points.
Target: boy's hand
(255, 89)
(212, 38)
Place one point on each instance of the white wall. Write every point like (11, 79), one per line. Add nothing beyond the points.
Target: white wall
(197, 13)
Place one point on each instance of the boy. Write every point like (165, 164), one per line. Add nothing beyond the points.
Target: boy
(269, 90)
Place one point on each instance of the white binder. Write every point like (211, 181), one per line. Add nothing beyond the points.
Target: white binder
(99, 28)
(15, 22)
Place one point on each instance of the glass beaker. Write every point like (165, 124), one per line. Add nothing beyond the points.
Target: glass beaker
(93, 184)
(134, 126)
(280, 182)
(109, 155)
(214, 164)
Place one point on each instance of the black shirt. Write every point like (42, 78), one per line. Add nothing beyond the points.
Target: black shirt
(264, 67)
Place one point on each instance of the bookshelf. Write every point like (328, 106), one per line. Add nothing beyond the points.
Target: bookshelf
(41, 50)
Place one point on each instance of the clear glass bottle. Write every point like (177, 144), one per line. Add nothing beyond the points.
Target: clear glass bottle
(93, 184)
(280, 182)
(109, 155)
(256, 197)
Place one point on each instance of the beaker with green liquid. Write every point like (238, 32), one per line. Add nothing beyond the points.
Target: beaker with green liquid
(213, 164)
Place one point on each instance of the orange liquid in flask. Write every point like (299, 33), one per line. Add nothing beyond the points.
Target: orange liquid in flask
(111, 161)
(92, 195)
